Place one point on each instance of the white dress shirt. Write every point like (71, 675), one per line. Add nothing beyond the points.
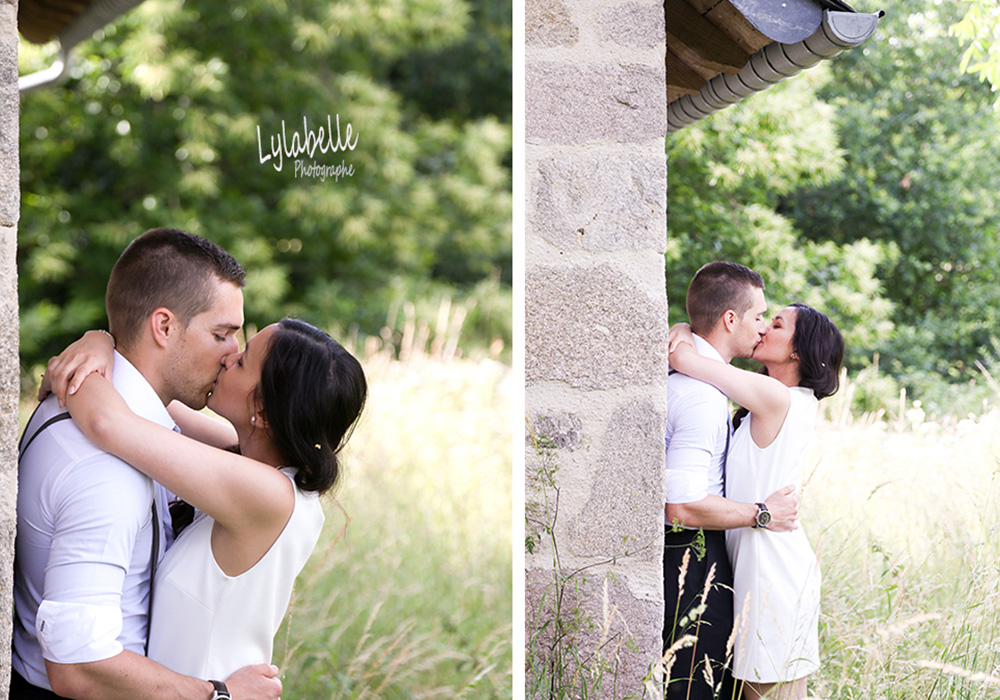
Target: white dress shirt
(697, 430)
(84, 537)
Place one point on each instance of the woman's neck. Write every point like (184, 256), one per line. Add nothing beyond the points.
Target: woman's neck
(786, 373)
(257, 445)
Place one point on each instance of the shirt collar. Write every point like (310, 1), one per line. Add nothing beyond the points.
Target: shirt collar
(138, 394)
(706, 349)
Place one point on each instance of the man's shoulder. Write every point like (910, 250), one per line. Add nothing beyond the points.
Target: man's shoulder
(682, 387)
(59, 450)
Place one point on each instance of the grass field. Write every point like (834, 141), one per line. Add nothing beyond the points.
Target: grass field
(414, 600)
(904, 516)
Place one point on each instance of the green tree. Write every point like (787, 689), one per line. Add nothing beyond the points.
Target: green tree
(920, 144)
(727, 178)
(166, 117)
(980, 30)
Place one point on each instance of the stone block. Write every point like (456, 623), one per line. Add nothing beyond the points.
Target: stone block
(618, 635)
(10, 382)
(10, 182)
(558, 430)
(547, 23)
(634, 24)
(595, 102)
(610, 202)
(592, 328)
(623, 515)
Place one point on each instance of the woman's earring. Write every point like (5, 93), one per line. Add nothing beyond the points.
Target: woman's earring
(253, 419)
(795, 356)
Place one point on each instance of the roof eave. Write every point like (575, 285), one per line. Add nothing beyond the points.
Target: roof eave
(837, 32)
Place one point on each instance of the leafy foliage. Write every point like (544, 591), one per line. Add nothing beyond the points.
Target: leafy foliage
(727, 177)
(920, 142)
(169, 112)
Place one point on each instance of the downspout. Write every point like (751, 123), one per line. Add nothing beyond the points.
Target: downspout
(97, 15)
(772, 64)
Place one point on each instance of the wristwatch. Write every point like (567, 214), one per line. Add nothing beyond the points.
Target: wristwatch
(763, 516)
(221, 691)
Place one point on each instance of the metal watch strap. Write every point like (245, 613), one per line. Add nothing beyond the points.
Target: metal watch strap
(221, 691)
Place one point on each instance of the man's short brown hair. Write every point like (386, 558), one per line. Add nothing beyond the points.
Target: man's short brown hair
(716, 288)
(169, 268)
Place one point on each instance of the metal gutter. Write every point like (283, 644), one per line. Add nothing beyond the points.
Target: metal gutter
(96, 15)
(772, 64)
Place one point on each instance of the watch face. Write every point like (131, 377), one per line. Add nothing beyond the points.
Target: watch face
(763, 518)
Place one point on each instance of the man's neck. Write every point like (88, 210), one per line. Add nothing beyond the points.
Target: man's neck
(144, 366)
(715, 340)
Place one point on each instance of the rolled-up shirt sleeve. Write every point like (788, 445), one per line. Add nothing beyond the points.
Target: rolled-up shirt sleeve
(98, 519)
(699, 426)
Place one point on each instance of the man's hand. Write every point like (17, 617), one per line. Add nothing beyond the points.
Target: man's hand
(784, 507)
(257, 682)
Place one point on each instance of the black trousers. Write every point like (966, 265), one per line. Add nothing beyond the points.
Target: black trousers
(713, 627)
(21, 689)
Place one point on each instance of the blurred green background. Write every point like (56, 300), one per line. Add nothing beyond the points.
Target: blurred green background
(158, 126)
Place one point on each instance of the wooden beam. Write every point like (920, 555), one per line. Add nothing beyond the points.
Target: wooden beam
(736, 26)
(700, 43)
(681, 79)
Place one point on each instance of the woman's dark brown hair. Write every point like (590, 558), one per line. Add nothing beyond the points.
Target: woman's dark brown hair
(312, 392)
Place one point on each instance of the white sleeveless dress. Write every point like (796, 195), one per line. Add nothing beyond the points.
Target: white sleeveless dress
(776, 575)
(207, 624)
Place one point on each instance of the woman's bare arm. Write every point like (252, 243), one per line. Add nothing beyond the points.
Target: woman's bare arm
(203, 428)
(239, 493)
(765, 397)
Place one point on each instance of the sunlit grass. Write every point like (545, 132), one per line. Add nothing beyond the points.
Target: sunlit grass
(904, 516)
(414, 600)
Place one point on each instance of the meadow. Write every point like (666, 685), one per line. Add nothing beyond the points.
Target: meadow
(414, 599)
(903, 511)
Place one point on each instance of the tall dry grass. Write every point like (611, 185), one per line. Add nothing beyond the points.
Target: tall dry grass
(414, 598)
(904, 514)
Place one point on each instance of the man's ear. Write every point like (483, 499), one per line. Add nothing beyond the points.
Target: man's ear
(730, 319)
(164, 324)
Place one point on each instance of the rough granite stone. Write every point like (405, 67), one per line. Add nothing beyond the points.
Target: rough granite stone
(559, 430)
(633, 24)
(9, 363)
(10, 179)
(624, 513)
(547, 23)
(601, 202)
(595, 102)
(592, 328)
(617, 628)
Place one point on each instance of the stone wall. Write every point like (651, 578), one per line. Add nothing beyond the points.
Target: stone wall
(10, 202)
(595, 323)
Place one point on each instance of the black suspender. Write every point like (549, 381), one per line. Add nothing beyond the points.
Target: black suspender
(46, 424)
(154, 555)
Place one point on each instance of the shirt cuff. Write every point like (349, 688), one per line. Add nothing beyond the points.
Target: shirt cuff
(76, 633)
(684, 488)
